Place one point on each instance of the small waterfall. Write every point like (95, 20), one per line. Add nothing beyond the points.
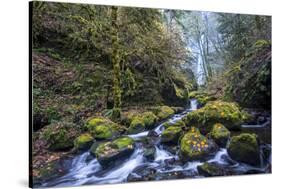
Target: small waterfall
(193, 104)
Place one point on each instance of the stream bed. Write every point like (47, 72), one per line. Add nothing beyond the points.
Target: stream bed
(84, 169)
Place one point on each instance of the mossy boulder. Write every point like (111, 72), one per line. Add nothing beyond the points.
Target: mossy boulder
(60, 135)
(220, 134)
(163, 112)
(109, 153)
(83, 142)
(209, 170)
(227, 113)
(141, 122)
(102, 128)
(201, 97)
(171, 135)
(178, 123)
(244, 148)
(195, 146)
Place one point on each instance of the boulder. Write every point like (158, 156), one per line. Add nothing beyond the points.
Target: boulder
(244, 148)
(109, 153)
(163, 112)
(178, 123)
(149, 153)
(226, 113)
(195, 146)
(60, 135)
(102, 128)
(209, 170)
(140, 122)
(171, 135)
(220, 134)
(83, 142)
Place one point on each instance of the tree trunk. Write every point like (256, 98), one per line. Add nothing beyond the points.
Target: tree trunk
(115, 58)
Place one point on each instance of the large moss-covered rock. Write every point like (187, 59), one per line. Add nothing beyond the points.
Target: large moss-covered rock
(60, 135)
(195, 146)
(141, 122)
(244, 148)
(227, 113)
(220, 134)
(164, 112)
(109, 153)
(83, 142)
(102, 128)
(171, 134)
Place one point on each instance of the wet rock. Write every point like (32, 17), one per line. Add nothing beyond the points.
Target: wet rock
(149, 153)
(244, 148)
(171, 135)
(171, 175)
(142, 173)
(220, 134)
(195, 146)
(152, 133)
(209, 170)
(109, 153)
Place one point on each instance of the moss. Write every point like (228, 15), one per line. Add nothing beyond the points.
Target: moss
(227, 113)
(171, 134)
(208, 169)
(123, 142)
(178, 123)
(102, 128)
(136, 126)
(84, 141)
(194, 146)
(141, 122)
(181, 93)
(60, 135)
(244, 148)
(202, 97)
(220, 134)
(164, 112)
(110, 152)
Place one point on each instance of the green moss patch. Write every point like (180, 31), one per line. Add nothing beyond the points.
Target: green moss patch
(220, 134)
(171, 134)
(83, 142)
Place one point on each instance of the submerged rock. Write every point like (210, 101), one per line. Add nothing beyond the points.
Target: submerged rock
(220, 134)
(227, 113)
(111, 152)
(83, 142)
(142, 173)
(171, 135)
(195, 146)
(149, 153)
(244, 148)
(102, 128)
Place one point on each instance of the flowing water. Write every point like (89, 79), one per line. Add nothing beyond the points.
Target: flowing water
(84, 169)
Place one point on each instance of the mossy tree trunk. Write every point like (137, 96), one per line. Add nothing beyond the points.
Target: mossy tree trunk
(115, 58)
